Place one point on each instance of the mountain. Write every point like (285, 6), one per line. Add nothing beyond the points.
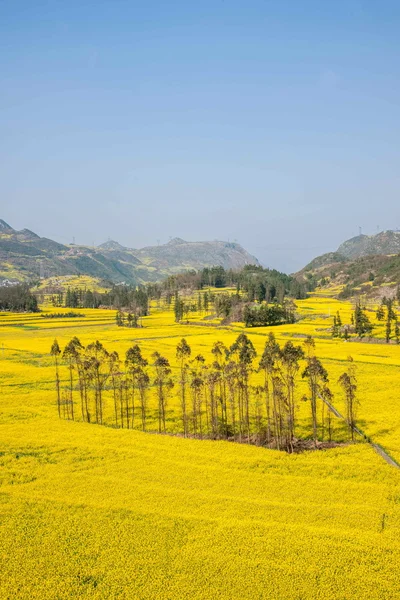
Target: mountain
(5, 227)
(112, 245)
(385, 242)
(368, 264)
(26, 256)
(179, 254)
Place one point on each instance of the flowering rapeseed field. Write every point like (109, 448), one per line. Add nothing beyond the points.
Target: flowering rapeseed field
(95, 512)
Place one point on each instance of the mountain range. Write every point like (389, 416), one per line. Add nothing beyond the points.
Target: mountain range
(26, 256)
(369, 262)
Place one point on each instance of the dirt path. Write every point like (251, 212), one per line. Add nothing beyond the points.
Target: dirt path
(376, 447)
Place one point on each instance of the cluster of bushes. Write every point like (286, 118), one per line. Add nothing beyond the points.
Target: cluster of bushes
(262, 315)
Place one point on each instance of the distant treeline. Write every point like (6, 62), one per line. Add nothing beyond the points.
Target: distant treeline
(259, 283)
(18, 298)
(220, 399)
(136, 298)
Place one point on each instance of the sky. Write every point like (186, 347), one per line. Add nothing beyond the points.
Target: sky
(272, 123)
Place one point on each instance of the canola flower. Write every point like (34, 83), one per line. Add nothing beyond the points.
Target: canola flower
(96, 512)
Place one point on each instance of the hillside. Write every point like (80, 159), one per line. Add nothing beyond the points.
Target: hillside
(364, 264)
(385, 242)
(26, 256)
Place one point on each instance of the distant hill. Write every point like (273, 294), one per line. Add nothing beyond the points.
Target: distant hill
(385, 242)
(26, 256)
(195, 255)
(368, 264)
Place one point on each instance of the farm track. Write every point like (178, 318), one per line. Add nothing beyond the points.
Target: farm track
(390, 461)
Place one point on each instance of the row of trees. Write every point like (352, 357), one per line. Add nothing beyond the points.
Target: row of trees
(235, 396)
(134, 299)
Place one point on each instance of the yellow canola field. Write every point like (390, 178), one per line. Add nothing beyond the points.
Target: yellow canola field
(94, 512)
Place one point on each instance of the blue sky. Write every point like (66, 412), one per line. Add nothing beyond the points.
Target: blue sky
(275, 123)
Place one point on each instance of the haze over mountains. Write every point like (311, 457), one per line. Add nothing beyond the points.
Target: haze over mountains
(26, 256)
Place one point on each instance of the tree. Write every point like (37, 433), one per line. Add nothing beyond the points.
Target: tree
(245, 353)
(348, 382)
(134, 363)
(335, 328)
(362, 324)
(327, 395)
(115, 372)
(317, 376)
(55, 353)
(206, 301)
(196, 385)
(183, 352)
(70, 355)
(143, 383)
(289, 367)
(212, 379)
(178, 308)
(390, 316)
(397, 332)
(221, 354)
(98, 371)
(268, 364)
(164, 384)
